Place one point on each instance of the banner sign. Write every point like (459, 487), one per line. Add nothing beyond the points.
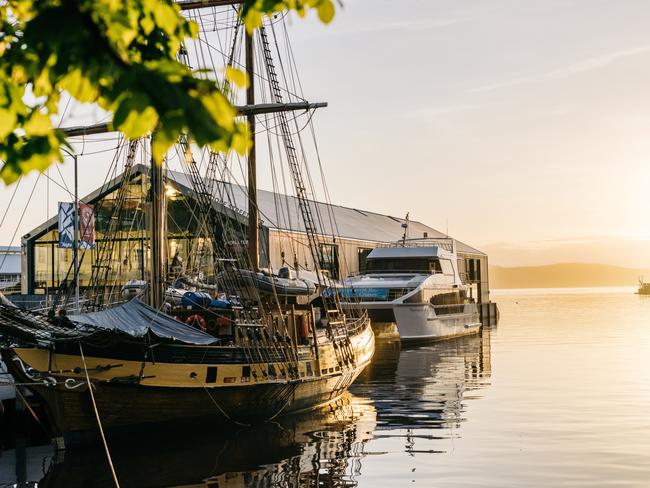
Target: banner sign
(86, 226)
(66, 225)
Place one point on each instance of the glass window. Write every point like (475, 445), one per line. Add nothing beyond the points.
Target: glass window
(402, 265)
(434, 266)
(447, 267)
(363, 252)
(330, 259)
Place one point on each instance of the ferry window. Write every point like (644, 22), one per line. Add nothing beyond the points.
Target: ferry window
(330, 259)
(363, 252)
(434, 266)
(401, 265)
(447, 267)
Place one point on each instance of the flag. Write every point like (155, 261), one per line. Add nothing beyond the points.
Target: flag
(66, 225)
(86, 226)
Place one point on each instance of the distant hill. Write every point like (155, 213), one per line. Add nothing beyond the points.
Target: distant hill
(565, 275)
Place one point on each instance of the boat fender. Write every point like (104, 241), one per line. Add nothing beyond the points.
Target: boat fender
(196, 318)
(304, 327)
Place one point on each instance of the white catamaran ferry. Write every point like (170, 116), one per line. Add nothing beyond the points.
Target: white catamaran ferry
(415, 285)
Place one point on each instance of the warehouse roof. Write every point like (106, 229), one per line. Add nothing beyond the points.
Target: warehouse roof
(281, 212)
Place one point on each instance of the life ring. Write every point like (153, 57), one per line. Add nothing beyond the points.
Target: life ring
(196, 318)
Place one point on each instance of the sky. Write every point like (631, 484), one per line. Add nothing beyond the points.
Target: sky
(521, 126)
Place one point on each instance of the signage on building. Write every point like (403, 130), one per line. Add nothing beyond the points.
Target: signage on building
(66, 225)
(86, 226)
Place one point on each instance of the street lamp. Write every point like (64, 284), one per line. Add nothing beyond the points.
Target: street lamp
(75, 246)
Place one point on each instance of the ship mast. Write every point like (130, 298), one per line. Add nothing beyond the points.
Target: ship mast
(157, 198)
(253, 212)
(157, 233)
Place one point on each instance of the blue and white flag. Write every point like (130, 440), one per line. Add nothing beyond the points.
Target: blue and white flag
(66, 225)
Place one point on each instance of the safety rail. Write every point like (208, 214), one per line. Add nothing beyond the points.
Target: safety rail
(446, 243)
(357, 325)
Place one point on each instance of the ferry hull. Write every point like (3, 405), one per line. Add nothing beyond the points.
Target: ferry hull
(420, 322)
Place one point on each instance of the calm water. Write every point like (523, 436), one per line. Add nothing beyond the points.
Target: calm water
(557, 395)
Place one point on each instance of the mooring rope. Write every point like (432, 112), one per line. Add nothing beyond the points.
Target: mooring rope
(99, 422)
(225, 414)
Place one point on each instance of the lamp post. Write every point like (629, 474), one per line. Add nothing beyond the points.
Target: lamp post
(75, 245)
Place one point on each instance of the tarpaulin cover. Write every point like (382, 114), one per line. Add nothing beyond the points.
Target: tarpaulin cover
(136, 319)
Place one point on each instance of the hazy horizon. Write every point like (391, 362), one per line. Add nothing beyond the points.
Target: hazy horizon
(565, 275)
(521, 126)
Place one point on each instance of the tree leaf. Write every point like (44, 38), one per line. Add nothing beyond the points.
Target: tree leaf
(135, 116)
(38, 124)
(241, 141)
(166, 17)
(139, 123)
(79, 86)
(326, 11)
(237, 76)
(161, 142)
(7, 122)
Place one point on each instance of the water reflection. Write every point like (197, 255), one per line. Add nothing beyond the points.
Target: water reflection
(425, 386)
(323, 447)
(412, 389)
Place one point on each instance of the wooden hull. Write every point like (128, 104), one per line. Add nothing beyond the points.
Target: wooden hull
(169, 391)
(70, 413)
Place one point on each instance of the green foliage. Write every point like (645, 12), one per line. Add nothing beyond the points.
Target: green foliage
(253, 11)
(120, 54)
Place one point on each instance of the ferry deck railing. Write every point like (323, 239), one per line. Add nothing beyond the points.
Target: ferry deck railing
(446, 243)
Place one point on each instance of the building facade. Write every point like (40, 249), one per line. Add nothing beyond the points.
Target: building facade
(347, 236)
(10, 269)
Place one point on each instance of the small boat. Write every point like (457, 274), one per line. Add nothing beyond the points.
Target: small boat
(414, 285)
(283, 284)
(644, 288)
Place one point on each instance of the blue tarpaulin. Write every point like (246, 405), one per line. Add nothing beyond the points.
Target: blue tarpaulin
(137, 319)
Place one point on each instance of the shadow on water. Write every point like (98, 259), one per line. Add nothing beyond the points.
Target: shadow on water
(404, 388)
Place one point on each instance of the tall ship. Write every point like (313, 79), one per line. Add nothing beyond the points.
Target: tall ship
(210, 329)
(414, 286)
